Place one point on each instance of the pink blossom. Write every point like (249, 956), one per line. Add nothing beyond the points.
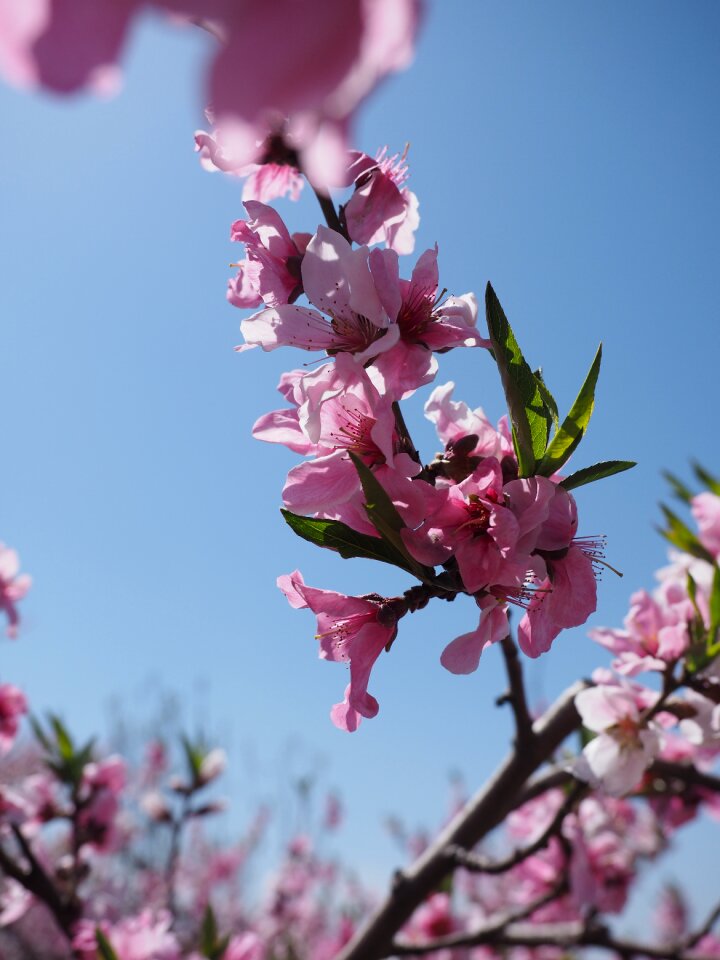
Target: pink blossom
(212, 766)
(337, 280)
(101, 786)
(146, 936)
(12, 705)
(275, 176)
(244, 946)
(655, 634)
(337, 410)
(454, 421)
(381, 209)
(13, 587)
(706, 511)
(353, 630)
(425, 324)
(625, 744)
(471, 523)
(271, 271)
(15, 901)
(462, 655)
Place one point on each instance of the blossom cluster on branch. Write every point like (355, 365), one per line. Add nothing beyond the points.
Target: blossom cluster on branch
(100, 861)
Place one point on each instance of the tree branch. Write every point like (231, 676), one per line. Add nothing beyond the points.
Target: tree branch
(476, 864)
(563, 936)
(330, 213)
(704, 930)
(36, 881)
(480, 815)
(516, 696)
(487, 931)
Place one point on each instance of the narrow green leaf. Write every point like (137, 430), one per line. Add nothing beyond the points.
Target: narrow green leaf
(528, 412)
(678, 487)
(335, 535)
(208, 932)
(575, 423)
(714, 607)
(385, 518)
(691, 588)
(194, 757)
(105, 950)
(680, 535)
(40, 734)
(598, 471)
(63, 740)
(707, 479)
(549, 401)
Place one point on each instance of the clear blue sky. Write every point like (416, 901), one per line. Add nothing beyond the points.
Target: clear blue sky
(566, 151)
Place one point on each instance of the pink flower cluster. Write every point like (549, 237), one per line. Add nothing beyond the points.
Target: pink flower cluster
(500, 537)
(665, 632)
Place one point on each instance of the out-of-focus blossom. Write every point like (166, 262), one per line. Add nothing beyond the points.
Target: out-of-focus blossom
(625, 744)
(13, 705)
(325, 60)
(146, 936)
(706, 510)
(13, 587)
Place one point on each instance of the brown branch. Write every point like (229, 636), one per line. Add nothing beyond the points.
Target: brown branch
(686, 773)
(480, 815)
(703, 930)
(36, 881)
(563, 936)
(516, 696)
(476, 864)
(330, 213)
(487, 931)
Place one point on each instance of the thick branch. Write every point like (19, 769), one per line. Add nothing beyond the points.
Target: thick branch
(484, 812)
(476, 864)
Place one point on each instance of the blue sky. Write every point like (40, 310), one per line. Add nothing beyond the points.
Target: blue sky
(567, 152)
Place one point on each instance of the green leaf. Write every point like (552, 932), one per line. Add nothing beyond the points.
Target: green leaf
(63, 740)
(691, 588)
(194, 756)
(598, 471)
(680, 535)
(707, 479)
(208, 929)
(385, 518)
(549, 400)
(528, 413)
(335, 535)
(714, 609)
(40, 734)
(678, 487)
(105, 950)
(575, 423)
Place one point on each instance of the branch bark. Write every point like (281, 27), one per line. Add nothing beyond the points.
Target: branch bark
(481, 814)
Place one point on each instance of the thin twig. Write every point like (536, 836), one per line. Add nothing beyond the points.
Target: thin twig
(516, 696)
(330, 213)
(476, 864)
(562, 936)
(702, 931)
